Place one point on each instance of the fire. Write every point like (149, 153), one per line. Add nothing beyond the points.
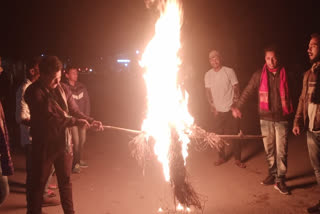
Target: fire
(167, 102)
(181, 208)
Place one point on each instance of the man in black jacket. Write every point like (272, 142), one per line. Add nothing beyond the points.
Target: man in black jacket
(53, 112)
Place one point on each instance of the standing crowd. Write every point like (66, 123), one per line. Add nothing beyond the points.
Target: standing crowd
(54, 117)
(271, 85)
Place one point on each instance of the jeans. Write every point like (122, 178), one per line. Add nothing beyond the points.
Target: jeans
(313, 141)
(276, 147)
(4, 187)
(225, 123)
(78, 140)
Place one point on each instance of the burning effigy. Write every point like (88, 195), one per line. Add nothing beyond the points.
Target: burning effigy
(168, 127)
(168, 122)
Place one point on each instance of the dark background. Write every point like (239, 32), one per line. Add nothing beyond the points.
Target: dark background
(99, 28)
(86, 30)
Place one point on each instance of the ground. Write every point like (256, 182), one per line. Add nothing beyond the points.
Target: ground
(114, 182)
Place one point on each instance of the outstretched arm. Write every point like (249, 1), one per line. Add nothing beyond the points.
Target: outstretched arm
(247, 92)
(249, 89)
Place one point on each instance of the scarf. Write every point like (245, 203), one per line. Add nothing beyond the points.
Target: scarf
(284, 91)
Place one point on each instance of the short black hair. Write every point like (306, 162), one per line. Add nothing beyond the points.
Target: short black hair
(33, 62)
(69, 67)
(316, 36)
(271, 48)
(50, 65)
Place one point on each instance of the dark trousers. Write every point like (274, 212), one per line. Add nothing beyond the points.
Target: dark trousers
(41, 170)
(29, 174)
(28, 152)
(225, 123)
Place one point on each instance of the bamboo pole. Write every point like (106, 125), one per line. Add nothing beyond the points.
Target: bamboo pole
(225, 137)
(123, 129)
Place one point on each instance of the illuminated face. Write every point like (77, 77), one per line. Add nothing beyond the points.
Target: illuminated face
(314, 50)
(271, 59)
(72, 75)
(52, 80)
(215, 60)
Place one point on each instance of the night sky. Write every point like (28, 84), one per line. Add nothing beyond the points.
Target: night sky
(238, 28)
(84, 30)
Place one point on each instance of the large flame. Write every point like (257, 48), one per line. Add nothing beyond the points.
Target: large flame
(167, 103)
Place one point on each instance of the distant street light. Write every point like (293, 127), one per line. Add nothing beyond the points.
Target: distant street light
(123, 60)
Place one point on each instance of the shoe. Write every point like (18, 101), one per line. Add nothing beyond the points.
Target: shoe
(282, 188)
(52, 186)
(50, 194)
(314, 209)
(83, 164)
(76, 169)
(240, 164)
(269, 180)
(219, 162)
(47, 202)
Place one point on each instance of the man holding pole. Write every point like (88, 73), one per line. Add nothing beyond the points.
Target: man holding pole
(222, 91)
(53, 112)
(271, 83)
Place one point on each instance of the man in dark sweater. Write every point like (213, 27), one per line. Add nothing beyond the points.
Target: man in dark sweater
(275, 106)
(81, 97)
